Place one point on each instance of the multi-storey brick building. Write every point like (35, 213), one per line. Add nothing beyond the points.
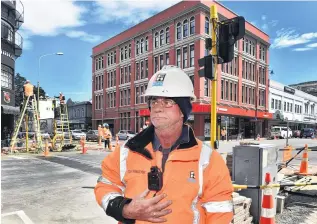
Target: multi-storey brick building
(123, 65)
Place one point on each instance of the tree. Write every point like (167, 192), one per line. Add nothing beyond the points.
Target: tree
(19, 82)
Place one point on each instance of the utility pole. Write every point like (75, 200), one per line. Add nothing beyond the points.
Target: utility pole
(213, 95)
(224, 34)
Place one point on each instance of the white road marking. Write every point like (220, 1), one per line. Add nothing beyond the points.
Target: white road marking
(17, 157)
(21, 214)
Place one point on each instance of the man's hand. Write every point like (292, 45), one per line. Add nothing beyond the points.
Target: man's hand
(149, 210)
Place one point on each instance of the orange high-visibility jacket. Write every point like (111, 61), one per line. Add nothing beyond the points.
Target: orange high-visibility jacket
(100, 131)
(107, 133)
(196, 179)
(28, 89)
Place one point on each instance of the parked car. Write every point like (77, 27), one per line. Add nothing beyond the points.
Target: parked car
(125, 134)
(77, 134)
(92, 135)
(308, 133)
(280, 132)
(297, 134)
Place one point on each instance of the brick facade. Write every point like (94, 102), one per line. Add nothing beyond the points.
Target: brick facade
(194, 12)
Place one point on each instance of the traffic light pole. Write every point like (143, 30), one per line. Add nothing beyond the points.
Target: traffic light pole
(213, 109)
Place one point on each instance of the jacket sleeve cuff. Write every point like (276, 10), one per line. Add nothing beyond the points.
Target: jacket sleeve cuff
(115, 208)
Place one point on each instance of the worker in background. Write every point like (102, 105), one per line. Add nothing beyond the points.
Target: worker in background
(100, 134)
(62, 102)
(107, 136)
(223, 133)
(28, 90)
(165, 174)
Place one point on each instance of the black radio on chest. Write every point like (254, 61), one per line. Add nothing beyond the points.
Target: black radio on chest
(155, 179)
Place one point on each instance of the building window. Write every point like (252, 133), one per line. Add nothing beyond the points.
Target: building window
(243, 94)
(161, 61)
(167, 35)
(206, 87)
(227, 90)
(125, 52)
(146, 44)
(129, 73)
(121, 76)
(137, 95)
(235, 92)
(125, 75)
(185, 57)
(179, 31)
(178, 53)
(161, 37)
(156, 64)
(222, 89)
(137, 49)
(146, 69)
(272, 104)
(185, 28)
(167, 58)
(192, 55)
(121, 54)
(142, 69)
(192, 26)
(137, 71)
(231, 91)
(156, 40)
(142, 46)
(129, 50)
(207, 25)
(6, 76)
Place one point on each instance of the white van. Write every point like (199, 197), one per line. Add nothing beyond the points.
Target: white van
(280, 132)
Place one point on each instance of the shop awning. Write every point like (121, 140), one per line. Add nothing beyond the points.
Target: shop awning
(6, 109)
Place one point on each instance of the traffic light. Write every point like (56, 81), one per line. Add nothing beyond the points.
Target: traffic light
(230, 31)
(208, 71)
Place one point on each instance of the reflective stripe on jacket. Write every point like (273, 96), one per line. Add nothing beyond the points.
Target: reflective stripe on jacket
(196, 179)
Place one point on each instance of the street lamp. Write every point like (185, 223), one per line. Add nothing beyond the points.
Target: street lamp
(38, 81)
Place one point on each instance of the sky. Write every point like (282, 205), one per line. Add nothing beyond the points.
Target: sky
(75, 27)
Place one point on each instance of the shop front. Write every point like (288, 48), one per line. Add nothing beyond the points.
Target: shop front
(236, 120)
(8, 114)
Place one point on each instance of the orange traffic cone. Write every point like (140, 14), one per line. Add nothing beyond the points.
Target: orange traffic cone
(303, 170)
(82, 142)
(46, 149)
(267, 212)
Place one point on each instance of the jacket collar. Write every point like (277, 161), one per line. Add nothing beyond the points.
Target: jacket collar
(139, 142)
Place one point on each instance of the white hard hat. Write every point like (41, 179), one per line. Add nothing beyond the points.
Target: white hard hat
(170, 81)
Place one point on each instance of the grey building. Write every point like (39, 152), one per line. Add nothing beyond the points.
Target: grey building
(79, 114)
(12, 17)
(307, 87)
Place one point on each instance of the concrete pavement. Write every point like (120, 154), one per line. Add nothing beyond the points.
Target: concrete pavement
(57, 189)
(36, 191)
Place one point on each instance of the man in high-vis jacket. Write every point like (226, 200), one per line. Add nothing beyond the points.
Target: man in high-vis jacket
(164, 173)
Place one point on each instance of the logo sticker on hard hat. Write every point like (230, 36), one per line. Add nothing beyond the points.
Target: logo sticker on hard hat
(159, 80)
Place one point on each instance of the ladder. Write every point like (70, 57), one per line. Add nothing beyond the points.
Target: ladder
(36, 122)
(62, 126)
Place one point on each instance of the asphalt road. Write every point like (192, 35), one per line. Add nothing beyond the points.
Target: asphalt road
(57, 189)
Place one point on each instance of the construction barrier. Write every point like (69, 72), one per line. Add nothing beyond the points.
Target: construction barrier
(237, 186)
